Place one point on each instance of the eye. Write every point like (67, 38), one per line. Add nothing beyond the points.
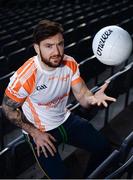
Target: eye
(48, 45)
(61, 43)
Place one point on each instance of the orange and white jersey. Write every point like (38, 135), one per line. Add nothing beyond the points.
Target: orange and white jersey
(44, 94)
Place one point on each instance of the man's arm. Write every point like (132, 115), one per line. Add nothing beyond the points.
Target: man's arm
(87, 98)
(16, 116)
(80, 92)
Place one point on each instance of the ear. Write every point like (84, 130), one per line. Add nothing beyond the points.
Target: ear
(36, 47)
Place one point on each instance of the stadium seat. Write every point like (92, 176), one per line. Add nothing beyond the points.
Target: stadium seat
(13, 29)
(17, 156)
(115, 166)
(26, 41)
(127, 25)
(3, 172)
(70, 49)
(68, 16)
(69, 24)
(1, 130)
(26, 25)
(5, 127)
(3, 66)
(20, 34)
(6, 39)
(69, 36)
(4, 80)
(121, 82)
(7, 25)
(83, 49)
(91, 68)
(21, 157)
(81, 31)
(10, 47)
(30, 51)
(17, 58)
(3, 32)
(81, 20)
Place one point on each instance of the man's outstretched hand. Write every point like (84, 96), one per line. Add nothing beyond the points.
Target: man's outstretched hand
(100, 97)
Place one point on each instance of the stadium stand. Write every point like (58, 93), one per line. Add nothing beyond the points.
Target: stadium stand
(119, 164)
(81, 20)
(4, 80)
(3, 66)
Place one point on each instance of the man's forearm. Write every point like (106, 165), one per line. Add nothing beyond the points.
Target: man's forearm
(16, 116)
(83, 97)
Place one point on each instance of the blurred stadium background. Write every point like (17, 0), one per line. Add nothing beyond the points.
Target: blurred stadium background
(81, 20)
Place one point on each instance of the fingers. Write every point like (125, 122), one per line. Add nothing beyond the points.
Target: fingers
(110, 99)
(52, 138)
(52, 152)
(43, 149)
(38, 150)
(46, 146)
(44, 152)
(51, 146)
(103, 102)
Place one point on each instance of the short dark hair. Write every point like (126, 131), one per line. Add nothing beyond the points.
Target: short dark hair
(45, 29)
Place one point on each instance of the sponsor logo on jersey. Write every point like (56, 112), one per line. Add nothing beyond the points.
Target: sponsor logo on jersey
(43, 86)
(63, 78)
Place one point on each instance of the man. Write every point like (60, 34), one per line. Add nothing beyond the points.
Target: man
(41, 87)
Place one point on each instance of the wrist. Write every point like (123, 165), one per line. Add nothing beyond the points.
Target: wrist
(88, 95)
(34, 132)
(91, 100)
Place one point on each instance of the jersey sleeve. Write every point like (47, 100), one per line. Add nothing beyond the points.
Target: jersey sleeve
(73, 65)
(21, 83)
(76, 78)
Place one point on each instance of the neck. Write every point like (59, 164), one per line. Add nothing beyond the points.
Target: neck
(45, 66)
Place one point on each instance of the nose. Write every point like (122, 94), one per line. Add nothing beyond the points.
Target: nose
(56, 50)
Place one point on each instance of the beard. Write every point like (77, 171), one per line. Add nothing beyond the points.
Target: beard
(54, 64)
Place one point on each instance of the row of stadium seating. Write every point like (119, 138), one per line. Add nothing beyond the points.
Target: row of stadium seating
(12, 28)
(80, 27)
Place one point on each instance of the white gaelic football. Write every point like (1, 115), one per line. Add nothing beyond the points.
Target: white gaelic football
(112, 45)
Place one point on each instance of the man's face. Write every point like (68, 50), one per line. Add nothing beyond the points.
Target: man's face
(51, 50)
